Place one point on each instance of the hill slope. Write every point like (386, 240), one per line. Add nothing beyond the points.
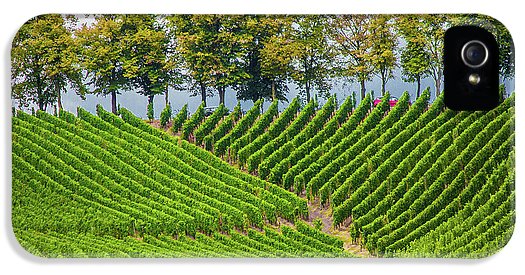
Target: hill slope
(397, 178)
(91, 186)
(416, 179)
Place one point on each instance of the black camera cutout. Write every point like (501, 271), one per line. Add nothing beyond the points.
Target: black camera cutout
(471, 69)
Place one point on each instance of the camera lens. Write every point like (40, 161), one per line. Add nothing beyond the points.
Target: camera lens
(474, 54)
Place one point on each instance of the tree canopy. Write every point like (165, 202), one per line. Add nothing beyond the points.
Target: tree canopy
(255, 56)
(382, 53)
(45, 62)
(268, 58)
(312, 55)
(151, 66)
(415, 57)
(103, 55)
(213, 47)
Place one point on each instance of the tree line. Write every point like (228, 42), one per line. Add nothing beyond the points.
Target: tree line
(257, 56)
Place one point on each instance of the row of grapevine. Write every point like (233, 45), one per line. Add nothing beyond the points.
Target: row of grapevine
(410, 180)
(445, 175)
(311, 241)
(222, 128)
(301, 162)
(228, 199)
(374, 205)
(150, 176)
(271, 243)
(115, 178)
(274, 130)
(399, 141)
(209, 164)
(65, 182)
(178, 120)
(339, 156)
(445, 232)
(209, 124)
(436, 205)
(242, 126)
(43, 204)
(438, 169)
(193, 122)
(287, 203)
(312, 232)
(409, 175)
(289, 133)
(336, 150)
(367, 157)
(296, 139)
(123, 199)
(204, 182)
(397, 173)
(258, 129)
(489, 193)
(277, 172)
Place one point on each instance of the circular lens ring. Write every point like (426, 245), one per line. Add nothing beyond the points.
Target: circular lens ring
(463, 52)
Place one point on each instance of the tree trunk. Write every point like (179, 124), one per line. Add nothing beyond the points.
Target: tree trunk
(438, 84)
(222, 91)
(59, 101)
(273, 90)
(203, 93)
(418, 86)
(307, 88)
(150, 99)
(39, 93)
(363, 89)
(41, 105)
(383, 87)
(166, 97)
(383, 82)
(114, 102)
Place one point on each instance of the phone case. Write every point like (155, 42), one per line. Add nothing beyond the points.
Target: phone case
(254, 136)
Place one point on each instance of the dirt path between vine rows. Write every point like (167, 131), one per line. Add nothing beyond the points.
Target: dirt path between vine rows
(317, 211)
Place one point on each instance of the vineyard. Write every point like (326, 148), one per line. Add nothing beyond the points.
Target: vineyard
(416, 179)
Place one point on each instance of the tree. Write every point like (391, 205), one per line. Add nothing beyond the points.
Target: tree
(44, 62)
(433, 30)
(149, 65)
(213, 47)
(415, 59)
(382, 56)
(276, 64)
(103, 56)
(267, 65)
(312, 55)
(232, 43)
(354, 42)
